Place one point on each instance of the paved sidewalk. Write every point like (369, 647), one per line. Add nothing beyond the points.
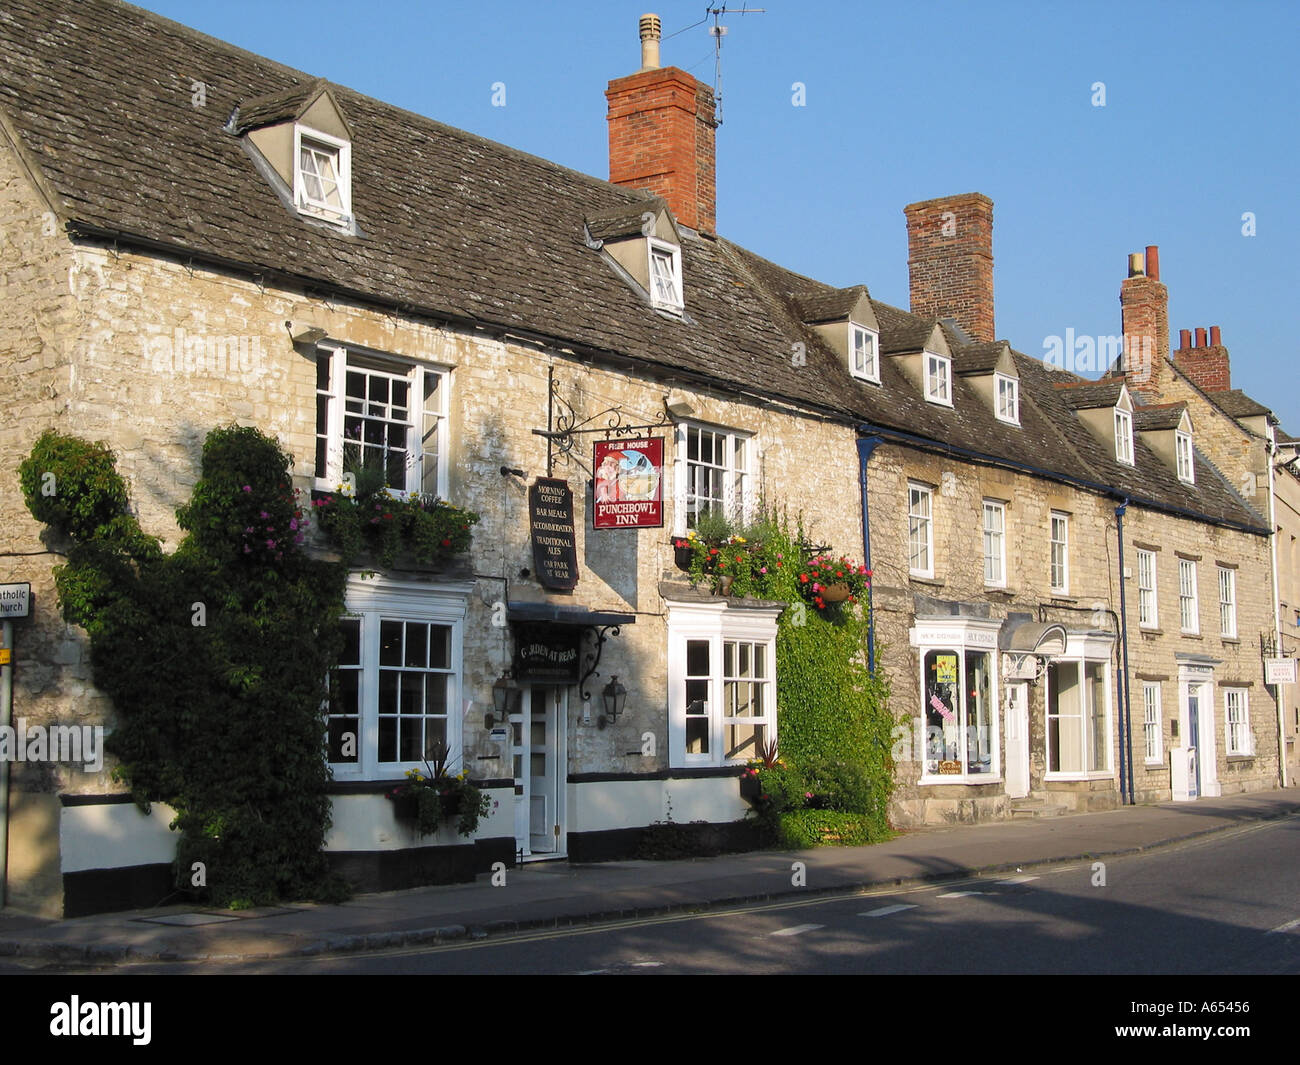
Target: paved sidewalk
(551, 894)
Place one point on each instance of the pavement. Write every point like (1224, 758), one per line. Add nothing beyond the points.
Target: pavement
(558, 894)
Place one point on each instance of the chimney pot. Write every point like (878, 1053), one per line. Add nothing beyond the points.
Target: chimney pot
(1153, 262)
(1200, 337)
(651, 31)
(1216, 338)
(1135, 267)
(1184, 339)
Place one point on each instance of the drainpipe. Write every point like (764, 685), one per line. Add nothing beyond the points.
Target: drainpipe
(1271, 451)
(6, 717)
(866, 445)
(1126, 720)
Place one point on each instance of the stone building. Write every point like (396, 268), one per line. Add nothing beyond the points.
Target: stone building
(227, 240)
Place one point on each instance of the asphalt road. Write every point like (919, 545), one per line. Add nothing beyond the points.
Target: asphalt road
(1228, 904)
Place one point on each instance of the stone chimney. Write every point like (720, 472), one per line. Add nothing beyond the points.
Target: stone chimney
(1144, 312)
(1206, 362)
(661, 135)
(950, 260)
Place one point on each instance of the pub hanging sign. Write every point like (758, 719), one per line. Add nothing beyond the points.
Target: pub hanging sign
(629, 484)
(555, 547)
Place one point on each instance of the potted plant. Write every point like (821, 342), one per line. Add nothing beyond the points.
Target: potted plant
(429, 799)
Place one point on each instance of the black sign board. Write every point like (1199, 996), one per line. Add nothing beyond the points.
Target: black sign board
(555, 548)
(547, 654)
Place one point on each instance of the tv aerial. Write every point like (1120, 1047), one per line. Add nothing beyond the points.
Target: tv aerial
(717, 31)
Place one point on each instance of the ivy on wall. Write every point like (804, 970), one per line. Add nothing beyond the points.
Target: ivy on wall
(214, 656)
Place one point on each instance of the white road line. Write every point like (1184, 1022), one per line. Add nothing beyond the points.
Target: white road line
(959, 894)
(1284, 927)
(590, 972)
(1018, 880)
(798, 929)
(885, 911)
(646, 964)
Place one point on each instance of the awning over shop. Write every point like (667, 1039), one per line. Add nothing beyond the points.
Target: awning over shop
(567, 615)
(550, 637)
(1032, 638)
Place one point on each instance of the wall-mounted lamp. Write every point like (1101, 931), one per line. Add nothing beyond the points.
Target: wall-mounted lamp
(505, 699)
(614, 696)
(306, 334)
(678, 405)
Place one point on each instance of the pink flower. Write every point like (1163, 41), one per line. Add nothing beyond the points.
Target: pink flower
(264, 515)
(293, 523)
(270, 544)
(807, 794)
(248, 488)
(763, 569)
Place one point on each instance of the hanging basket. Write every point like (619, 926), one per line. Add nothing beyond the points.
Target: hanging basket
(682, 558)
(835, 593)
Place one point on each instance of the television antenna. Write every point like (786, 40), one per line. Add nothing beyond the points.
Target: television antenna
(717, 31)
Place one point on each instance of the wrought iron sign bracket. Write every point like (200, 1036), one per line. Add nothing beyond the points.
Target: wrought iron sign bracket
(592, 658)
(564, 427)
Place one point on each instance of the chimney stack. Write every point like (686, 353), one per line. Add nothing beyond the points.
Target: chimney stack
(950, 261)
(1144, 312)
(1205, 365)
(662, 133)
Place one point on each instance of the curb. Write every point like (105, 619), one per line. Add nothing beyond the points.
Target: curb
(337, 945)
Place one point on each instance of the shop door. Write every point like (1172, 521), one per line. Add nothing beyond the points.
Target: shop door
(1017, 740)
(1193, 726)
(539, 757)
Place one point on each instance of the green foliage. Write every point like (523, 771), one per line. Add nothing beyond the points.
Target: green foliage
(429, 799)
(802, 829)
(214, 657)
(430, 529)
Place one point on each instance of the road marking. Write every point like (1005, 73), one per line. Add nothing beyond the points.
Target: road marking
(1018, 880)
(1284, 927)
(960, 894)
(591, 972)
(646, 964)
(885, 911)
(798, 929)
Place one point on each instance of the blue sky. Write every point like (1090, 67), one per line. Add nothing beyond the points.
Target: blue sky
(905, 102)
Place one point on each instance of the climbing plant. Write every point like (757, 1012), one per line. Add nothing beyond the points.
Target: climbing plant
(215, 656)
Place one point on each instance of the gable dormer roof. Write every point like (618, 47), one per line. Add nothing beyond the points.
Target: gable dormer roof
(911, 339)
(628, 221)
(1161, 417)
(1089, 395)
(289, 105)
(835, 305)
(983, 358)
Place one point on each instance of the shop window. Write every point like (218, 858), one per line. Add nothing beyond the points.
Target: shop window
(958, 711)
(1078, 717)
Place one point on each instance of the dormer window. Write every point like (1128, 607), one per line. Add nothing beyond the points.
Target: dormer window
(1008, 398)
(938, 378)
(863, 356)
(1183, 452)
(1124, 437)
(322, 175)
(665, 275)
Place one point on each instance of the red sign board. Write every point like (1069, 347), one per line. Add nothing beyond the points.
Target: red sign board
(629, 484)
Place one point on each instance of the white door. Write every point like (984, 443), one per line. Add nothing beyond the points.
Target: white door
(538, 753)
(1017, 740)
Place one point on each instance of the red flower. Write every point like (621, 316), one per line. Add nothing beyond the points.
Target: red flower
(803, 577)
(446, 543)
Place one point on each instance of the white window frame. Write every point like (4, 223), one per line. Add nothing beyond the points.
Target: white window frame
(938, 378)
(427, 431)
(379, 599)
(1006, 398)
(1239, 738)
(341, 152)
(1084, 651)
(1123, 437)
(920, 528)
(1227, 602)
(1059, 545)
(870, 371)
(995, 544)
(1152, 723)
(1148, 603)
(737, 480)
(1185, 457)
(661, 249)
(1189, 613)
(717, 624)
(962, 638)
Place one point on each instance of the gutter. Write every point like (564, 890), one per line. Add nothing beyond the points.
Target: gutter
(1126, 687)
(1277, 615)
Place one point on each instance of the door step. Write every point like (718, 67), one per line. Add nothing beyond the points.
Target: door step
(1025, 808)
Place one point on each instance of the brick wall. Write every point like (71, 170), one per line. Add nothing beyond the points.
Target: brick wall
(950, 261)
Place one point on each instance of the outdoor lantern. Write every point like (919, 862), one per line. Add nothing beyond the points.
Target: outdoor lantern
(614, 696)
(505, 697)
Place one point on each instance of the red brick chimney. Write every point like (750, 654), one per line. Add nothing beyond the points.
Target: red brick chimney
(1206, 363)
(661, 135)
(950, 260)
(1144, 311)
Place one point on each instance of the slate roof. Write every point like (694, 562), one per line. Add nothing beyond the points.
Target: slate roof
(833, 305)
(1237, 404)
(622, 221)
(977, 358)
(457, 228)
(277, 107)
(1158, 416)
(1088, 395)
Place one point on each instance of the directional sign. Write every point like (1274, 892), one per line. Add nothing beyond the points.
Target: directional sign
(15, 600)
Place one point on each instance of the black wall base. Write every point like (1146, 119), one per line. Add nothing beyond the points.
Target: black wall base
(666, 841)
(370, 871)
(134, 887)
